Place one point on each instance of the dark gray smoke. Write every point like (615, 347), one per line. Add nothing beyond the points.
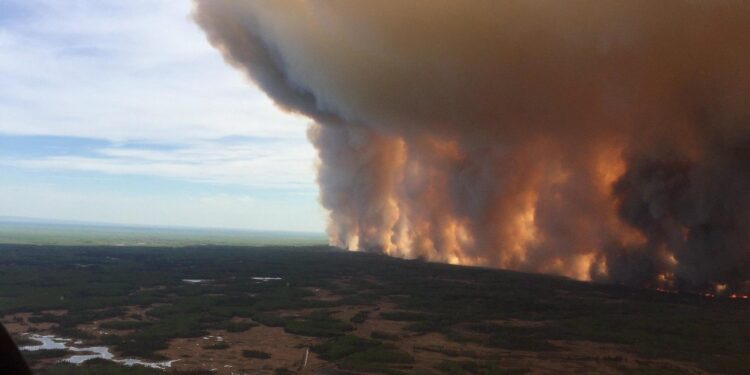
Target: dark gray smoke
(603, 139)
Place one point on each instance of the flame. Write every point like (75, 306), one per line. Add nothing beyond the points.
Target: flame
(523, 230)
(582, 266)
(610, 166)
(720, 288)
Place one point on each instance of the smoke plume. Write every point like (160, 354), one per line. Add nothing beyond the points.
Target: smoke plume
(601, 139)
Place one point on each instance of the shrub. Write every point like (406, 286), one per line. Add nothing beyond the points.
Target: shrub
(317, 327)
(404, 316)
(221, 345)
(360, 317)
(380, 335)
(124, 325)
(256, 354)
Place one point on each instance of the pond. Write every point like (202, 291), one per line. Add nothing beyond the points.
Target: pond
(50, 342)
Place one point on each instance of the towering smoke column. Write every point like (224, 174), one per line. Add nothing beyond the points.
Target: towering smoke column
(600, 139)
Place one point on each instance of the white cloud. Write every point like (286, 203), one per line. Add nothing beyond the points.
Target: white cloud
(259, 164)
(125, 70)
(140, 71)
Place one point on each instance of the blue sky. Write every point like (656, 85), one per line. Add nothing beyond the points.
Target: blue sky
(121, 112)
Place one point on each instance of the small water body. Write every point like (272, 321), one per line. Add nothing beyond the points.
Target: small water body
(264, 279)
(46, 343)
(204, 281)
(50, 342)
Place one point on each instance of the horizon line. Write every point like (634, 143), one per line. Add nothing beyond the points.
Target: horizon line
(4, 219)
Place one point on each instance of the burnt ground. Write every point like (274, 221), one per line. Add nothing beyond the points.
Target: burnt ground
(353, 313)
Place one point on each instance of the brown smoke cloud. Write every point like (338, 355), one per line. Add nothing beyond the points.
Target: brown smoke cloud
(601, 139)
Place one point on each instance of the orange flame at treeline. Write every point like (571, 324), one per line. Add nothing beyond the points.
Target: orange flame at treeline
(600, 140)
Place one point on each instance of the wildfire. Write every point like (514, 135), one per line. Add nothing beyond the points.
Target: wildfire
(733, 296)
(598, 155)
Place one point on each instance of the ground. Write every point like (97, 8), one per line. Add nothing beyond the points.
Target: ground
(214, 310)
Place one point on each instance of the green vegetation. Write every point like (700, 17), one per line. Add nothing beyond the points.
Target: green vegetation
(235, 326)
(23, 341)
(44, 354)
(380, 335)
(462, 304)
(271, 320)
(513, 337)
(404, 316)
(102, 367)
(447, 352)
(360, 317)
(317, 325)
(256, 354)
(125, 325)
(217, 346)
(356, 353)
(470, 367)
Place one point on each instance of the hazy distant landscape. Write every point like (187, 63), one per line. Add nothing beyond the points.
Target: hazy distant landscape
(315, 309)
(46, 232)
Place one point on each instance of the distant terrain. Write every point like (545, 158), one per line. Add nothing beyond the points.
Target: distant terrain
(49, 232)
(319, 310)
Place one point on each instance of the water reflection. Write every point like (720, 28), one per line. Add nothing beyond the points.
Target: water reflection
(50, 342)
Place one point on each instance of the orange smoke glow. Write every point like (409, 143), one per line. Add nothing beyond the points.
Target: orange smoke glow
(605, 141)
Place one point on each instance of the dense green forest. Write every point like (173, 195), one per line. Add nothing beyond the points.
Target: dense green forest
(191, 292)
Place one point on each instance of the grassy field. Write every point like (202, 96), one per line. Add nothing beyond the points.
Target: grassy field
(213, 306)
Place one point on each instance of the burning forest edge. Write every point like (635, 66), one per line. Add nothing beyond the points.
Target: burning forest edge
(600, 140)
